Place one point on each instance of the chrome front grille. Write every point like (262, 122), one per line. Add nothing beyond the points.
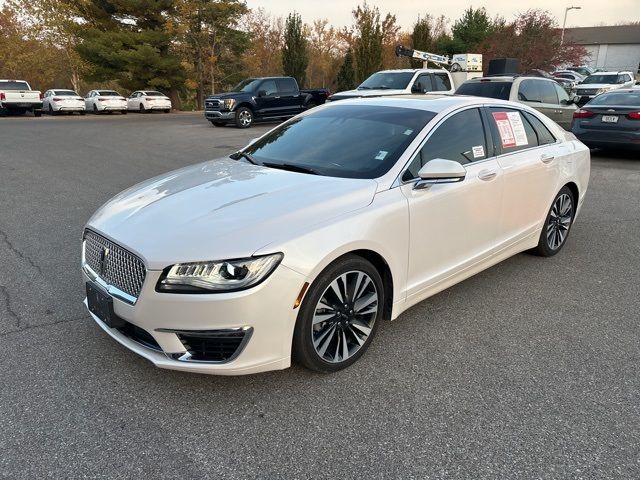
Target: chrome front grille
(114, 265)
(587, 91)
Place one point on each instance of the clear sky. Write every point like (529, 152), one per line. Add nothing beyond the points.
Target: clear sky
(338, 12)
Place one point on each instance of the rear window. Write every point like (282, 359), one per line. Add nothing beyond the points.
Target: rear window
(14, 86)
(499, 90)
(108, 93)
(618, 99)
(154, 94)
(65, 93)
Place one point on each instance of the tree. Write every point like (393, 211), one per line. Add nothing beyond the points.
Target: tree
(368, 41)
(534, 39)
(295, 54)
(346, 79)
(470, 30)
(129, 42)
(325, 46)
(264, 53)
(210, 40)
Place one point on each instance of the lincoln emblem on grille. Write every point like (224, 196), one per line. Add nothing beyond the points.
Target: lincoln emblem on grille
(103, 259)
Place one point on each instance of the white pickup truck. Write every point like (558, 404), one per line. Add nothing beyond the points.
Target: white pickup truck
(401, 82)
(16, 96)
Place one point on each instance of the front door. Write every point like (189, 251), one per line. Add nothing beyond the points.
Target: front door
(453, 225)
(268, 99)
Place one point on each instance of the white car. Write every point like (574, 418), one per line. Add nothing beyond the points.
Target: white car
(100, 101)
(149, 100)
(602, 82)
(61, 100)
(300, 244)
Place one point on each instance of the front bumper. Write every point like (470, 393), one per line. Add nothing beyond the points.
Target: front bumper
(217, 115)
(265, 311)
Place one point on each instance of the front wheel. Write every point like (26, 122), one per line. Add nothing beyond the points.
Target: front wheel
(557, 225)
(339, 315)
(167, 110)
(244, 117)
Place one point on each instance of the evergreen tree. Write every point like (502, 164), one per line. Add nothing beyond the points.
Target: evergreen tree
(346, 80)
(470, 30)
(129, 42)
(368, 45)
(295, 54)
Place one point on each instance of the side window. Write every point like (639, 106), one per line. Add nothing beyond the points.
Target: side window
(528, 91)
(563, 96)
(511, 131)
(459, 138)
(544, 135)
(422, 84)
(269, 86)
(547, 92)
(441, 82)
(287, 85)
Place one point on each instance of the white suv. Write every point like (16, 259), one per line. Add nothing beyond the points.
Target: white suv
(601, 82)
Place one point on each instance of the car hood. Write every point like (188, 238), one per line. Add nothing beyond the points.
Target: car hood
(366, 93)
(223, 209)
(222, 96)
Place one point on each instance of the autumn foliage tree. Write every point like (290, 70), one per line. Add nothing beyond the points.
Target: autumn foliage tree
(534, 39)
(295, 52)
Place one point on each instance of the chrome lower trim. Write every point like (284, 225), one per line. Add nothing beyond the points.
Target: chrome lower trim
(111, 290)
(186, 356)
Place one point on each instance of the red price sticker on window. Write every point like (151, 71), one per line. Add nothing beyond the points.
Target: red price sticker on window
(504, 129)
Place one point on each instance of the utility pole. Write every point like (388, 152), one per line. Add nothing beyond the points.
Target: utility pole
(566, 10)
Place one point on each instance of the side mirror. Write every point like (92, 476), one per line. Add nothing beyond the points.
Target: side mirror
(417, 88)
(262, 93)
(440, 170)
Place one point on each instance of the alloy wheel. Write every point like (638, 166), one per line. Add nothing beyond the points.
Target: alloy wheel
(344, 316)
(559, 221)
(245, 118)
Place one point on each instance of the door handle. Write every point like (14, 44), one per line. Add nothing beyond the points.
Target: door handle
(487, 175)
(546, 158)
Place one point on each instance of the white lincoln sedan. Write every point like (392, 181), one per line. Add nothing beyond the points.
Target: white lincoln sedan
(148, 101)
(300, 244)
(60, 101)
(99, 101)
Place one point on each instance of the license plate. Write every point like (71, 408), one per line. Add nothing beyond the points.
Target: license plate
(100, 303)
(610, 118)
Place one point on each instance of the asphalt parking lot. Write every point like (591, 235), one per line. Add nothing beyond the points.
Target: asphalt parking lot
(527, 370)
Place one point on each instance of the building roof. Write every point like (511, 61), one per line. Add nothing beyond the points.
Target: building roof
(603, 35)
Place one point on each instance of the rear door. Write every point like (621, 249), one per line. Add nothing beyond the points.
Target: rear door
(530, 166)
(530, 92)
(566, 106)
(291, 101)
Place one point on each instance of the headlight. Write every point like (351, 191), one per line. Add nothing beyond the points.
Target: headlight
(229, 103)
(218, 276)
(603, 89)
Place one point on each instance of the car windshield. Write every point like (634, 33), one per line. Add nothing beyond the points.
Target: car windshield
(108, 93)
(14, 86)
(65, 93)
(248, 85)
(603, 79)
(326, 141)
(618, 99)
(387, 81)
(498, 90)
(154, 94)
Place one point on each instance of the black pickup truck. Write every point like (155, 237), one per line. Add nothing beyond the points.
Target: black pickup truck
(264, 98)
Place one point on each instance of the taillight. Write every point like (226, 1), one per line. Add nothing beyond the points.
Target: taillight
(41, 96)
(582, 113)
(56, 99)
(2, 96)
(633, 116)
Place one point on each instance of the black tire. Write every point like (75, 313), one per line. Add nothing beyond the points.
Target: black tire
(142, 109)
(123, 112)
(95, 109)
(557, 225)
(82, 112)
(339, 331)
(37, 113)
(168, 110)
(51, 111)
(244, 117)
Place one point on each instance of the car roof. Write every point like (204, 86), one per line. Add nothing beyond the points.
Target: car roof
(430, 102)
(611, 73)
(411, 70)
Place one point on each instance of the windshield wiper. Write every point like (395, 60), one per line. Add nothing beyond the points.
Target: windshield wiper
(291, 167)
(247, 156)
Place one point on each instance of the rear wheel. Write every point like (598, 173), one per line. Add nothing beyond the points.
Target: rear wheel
(95, 109)
(244, 117)
(168, 110)
(142, 109)
(557, 225)
(123, 112)
(339, 315)
(37, 113)
(51, 111)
